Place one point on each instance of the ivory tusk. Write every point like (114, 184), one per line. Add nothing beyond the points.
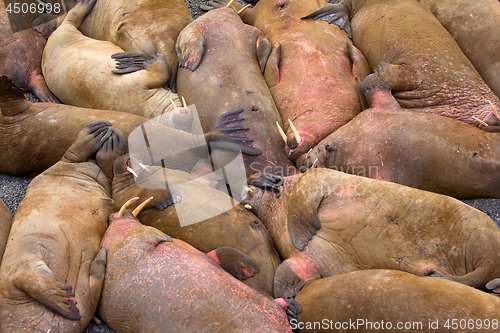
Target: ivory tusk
(480, 121)
(250, 190)
(129, 169)
(309, 153)
(282, 133)
(230, 3)
(295, 132)
(242, 9)
(173, 104)
(143, 166)
(247, 206)
(495, 112)
(125, 205)
(184, 102)
(138, 209)
(314, 164)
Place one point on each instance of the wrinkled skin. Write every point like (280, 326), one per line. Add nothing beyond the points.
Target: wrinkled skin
(395, 297)
(227, 57)
(473, 25)
(329, 222)
(312, 74)
(220, 221)
(5, 223)
(426, 69)
(422, 150)
(45, 131)
(21, 56)
(52, 270)
(78, 70)
(155, 282)
(148, 26)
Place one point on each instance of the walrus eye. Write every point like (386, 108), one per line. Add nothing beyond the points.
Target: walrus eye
(256, 224)
(280, 5)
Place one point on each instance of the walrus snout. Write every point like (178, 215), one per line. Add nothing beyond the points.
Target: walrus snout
(294, 150)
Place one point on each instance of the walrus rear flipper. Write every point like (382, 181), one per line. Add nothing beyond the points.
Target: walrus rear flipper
(292, 274)
(37, 280)
(45, 24)
(129, 62)
(334, 14)
(190, 47)
(494, 286)
(96, 276)
(235, 262)
(272, 71)
(378, 94)
(229, 126)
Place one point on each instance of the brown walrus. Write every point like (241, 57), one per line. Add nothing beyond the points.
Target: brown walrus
(311, 70)
(389, 300)
(34, 136)
(78, 70)
(229, 56)
(5, 223)
(327, 222)
(410, 50)
(21, 57)
(147, 26)
(421, 150)
(202, 216)
(52, 270)
(156, 283)
(474, 25)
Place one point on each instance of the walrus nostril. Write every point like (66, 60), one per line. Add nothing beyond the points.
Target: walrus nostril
(280, 5)
(256, 224)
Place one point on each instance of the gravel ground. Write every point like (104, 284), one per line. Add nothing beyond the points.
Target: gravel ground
(13, 188)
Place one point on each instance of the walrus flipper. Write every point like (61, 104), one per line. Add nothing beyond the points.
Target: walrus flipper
(129, 62)
(45, 24)
(267, 182)
(303, 219)
(378, 94)
(110, 150)
(360, 67)
(272, 71)
(401, 77)
(12, 99)
(88, 141)
(168, 197)
(334, 14)
(37, 280)
(494, 286)
(229, 126)
(291, 275)
(96, 276)
(190, 47)
(263, 52)
(235, 262)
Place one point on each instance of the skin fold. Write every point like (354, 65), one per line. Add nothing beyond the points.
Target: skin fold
(5, 224)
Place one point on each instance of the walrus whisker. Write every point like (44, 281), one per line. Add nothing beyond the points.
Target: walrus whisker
(247, 206)
(138, 209)
(125, 206)
(309, 153)
(242, 9)
(480, 121)
(184, 102)
(314, 164)
(173, 104)
(230, 3)
(295, 132)
(495, 112)
(282, 133)
(143, 166)
(129, 169)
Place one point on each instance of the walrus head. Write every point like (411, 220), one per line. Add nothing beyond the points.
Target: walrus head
(266, 182)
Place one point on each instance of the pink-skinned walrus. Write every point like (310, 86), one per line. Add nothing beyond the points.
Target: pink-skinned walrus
(422, 150)
(326, 222)
(409, 49)
(311, 71)
(475, 27)
(90, 73)
(157, 283)
(389, 301)
(53, 268)
(229, 57)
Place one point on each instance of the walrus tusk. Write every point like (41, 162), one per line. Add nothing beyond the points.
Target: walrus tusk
(250, 190)
(309, 153)
(173, 104)
(97, 320)
(125, 205)
(495, 112)
(143, 166)
(138, 209)
(247, 206)
(480, 121)
(129, 169)
(295, 132)
(283, 135)
(314, 164)
(242, 9)
(184, 102)
(230, 3)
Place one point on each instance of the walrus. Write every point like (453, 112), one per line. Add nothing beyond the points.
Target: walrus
(229, 56)
(81, 71)
(473, 25)
(35, 136)
(147, 26)
(21, 58)
(422, 150)
(154, 282)
(202, 216)
(311, 71)
(326, 222)
(53, 269)
(388, 300)
(5, 224)
(409, 49)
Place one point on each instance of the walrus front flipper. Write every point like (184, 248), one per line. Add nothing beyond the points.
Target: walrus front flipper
(334, 14)
(263, 52)
(228, 129)
(190, 47)
(272, 70)
(111, 149)
(494, 286)
(129, 62)
(96, 276)
(45, 24)
(36, 279)
(378, 94)
(235, 262)
(360, 67)
(267, 182)
(291, 275)
(88, 142)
